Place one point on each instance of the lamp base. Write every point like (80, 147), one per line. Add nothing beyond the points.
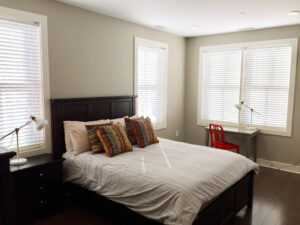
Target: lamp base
(17, 162)
(250, 127)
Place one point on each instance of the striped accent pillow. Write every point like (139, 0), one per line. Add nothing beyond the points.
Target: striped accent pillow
(144, 132)
(95, 144)
(129, 129)
(113, 139)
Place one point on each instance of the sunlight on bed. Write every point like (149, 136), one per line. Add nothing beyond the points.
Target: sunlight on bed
(143, 164)
(165, 156)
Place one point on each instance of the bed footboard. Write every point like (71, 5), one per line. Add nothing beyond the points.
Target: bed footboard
(218, 212)
(229, 203)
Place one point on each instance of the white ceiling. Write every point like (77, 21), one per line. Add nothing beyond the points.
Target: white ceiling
(211, 16)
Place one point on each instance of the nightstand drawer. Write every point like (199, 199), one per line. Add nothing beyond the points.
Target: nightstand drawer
(24, 193)
(39, 204)
(38, 180)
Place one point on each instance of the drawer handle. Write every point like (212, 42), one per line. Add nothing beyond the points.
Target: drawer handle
(41, 188)
(41, 174)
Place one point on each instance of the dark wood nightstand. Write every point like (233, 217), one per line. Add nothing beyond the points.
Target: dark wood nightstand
(38, 187)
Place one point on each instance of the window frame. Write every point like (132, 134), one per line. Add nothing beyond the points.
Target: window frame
(293, 42)
(154, 44)
(24, 16)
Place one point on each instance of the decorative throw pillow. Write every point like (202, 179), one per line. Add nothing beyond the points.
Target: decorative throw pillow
(95, 144)
(114, 139)
(129, 129)
(144, 132)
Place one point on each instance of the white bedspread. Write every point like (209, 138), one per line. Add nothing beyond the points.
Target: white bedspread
(168, 181)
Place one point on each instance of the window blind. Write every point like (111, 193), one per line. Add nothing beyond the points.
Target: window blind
(266, 85)
(150, 82)
(221, 85)
(20, 82)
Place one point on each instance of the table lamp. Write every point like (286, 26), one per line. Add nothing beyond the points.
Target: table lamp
(39, 125)
(239, 107)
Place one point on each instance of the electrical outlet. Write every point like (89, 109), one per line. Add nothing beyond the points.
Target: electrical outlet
(177, 133)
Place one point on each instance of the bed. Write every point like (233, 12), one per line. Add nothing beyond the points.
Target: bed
(174, 183)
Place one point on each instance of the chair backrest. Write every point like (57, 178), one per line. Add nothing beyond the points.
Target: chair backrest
(215, 130)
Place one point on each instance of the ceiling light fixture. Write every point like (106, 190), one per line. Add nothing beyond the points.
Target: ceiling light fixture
(195, 27)
(246, 29)
(294, 12)
(159, 27)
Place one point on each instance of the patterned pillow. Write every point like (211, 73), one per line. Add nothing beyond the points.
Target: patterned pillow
(95, 144)
(113, 139)
(129, 129)
(144, 132)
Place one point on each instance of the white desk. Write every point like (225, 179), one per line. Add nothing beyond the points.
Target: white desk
(249, 133)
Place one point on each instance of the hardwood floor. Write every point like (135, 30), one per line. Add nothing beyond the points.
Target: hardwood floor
(276, 202)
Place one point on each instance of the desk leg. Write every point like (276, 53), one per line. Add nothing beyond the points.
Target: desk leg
(248, 144)
(206, 137)
(254, 148)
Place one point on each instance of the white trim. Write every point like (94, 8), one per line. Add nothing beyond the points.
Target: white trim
(279, 165)
(42, 21)
(293, 42)
(141, 41)
(200, 89)
(290, 112)
(240, 45)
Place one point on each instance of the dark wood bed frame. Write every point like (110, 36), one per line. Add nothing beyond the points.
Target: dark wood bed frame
(218, 212)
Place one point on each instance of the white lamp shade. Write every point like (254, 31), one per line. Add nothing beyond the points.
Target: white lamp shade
(238, 106)
(40, 124)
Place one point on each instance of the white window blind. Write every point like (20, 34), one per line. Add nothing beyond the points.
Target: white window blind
(262, 75)
(150, 82)
(20, 82)
(266, 85)
(221, 85)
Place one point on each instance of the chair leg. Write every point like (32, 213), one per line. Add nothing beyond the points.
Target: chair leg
(238, 149)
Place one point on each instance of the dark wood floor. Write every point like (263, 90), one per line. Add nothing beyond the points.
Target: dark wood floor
(276, 202)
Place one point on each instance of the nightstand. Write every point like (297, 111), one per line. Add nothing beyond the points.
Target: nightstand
(38, 187)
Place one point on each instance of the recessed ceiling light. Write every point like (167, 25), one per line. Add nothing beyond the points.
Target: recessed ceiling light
(160, 27)
(195, 27)
(294, 12)
(246, 29)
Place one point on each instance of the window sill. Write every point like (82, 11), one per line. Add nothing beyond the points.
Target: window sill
(159, 126)
(33, 152)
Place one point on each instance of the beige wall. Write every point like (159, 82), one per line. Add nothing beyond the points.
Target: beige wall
(270, 147)
(92, 55)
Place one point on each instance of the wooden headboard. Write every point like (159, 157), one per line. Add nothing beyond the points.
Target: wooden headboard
(86, 109)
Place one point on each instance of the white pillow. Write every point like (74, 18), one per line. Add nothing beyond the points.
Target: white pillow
(68, 127)
(120, 120)
(76, 136)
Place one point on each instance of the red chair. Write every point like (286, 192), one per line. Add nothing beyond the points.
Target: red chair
(218, 142)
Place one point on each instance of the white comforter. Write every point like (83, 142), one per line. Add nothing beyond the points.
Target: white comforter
(168, 181)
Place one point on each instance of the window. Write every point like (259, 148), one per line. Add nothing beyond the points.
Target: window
(151, 80)
(22, 77)
(260, 74)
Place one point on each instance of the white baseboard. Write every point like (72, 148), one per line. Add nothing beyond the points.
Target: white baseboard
(279, 165)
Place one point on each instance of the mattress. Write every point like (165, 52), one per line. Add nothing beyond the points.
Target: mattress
(168, 181)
